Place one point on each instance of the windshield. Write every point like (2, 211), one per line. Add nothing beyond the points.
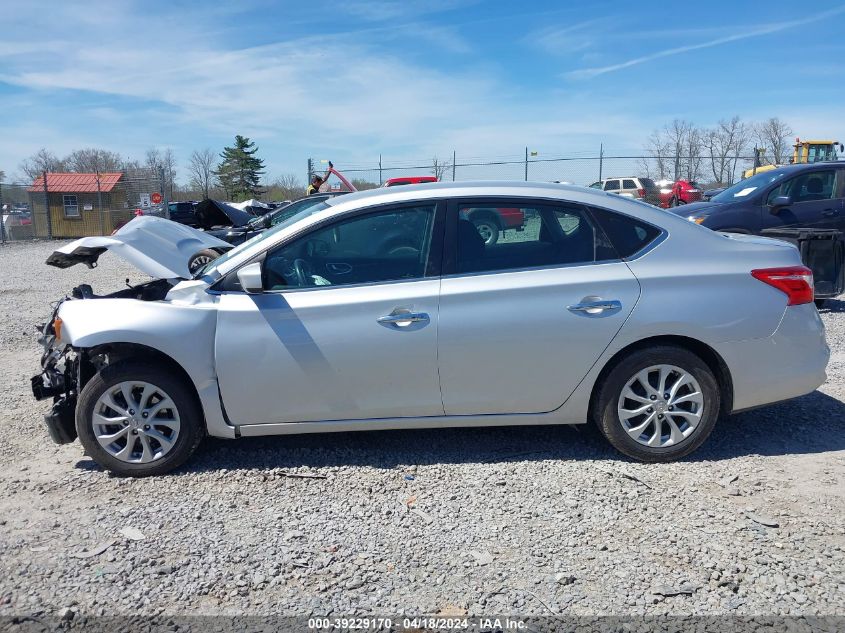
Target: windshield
(309, 209)
(744, 188)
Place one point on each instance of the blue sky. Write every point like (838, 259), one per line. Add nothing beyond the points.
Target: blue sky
(349, 79)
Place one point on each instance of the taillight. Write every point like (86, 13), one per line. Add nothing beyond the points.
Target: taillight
(641, 193)
(796, 282)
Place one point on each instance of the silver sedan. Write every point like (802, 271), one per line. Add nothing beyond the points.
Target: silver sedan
(390, 310)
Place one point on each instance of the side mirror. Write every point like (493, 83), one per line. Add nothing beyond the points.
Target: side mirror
(250, 278)
(779, 203)
(266, 221)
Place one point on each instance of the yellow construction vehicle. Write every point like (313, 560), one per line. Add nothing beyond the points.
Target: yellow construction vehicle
(803, 152)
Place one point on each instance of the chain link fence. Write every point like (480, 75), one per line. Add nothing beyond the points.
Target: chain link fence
(71, 205)
(578, 169)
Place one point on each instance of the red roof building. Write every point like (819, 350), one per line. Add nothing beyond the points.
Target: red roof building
(76, 183)
(73, 206)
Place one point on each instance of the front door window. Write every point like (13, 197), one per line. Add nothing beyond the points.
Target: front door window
(392, 245)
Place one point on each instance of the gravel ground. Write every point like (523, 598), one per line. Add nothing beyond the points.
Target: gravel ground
(507, 520)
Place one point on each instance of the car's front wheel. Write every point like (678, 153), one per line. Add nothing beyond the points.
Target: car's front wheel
(658, 404)
(135, 418)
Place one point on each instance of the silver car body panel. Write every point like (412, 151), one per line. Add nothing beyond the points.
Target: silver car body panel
(322, 354)
(182, 330)
(510, 352)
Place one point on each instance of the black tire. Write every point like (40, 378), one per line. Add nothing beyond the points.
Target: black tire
(820, 303)
(191, 429)
(605, 415)
(673, 202)
(201, 258)
(488, 226)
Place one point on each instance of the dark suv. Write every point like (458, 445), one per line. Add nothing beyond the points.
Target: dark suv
(806, 195)
(183, 212)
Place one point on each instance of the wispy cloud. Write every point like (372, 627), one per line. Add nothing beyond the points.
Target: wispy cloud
(568, 39)
(587, 73)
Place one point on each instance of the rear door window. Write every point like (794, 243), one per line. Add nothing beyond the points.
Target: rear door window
(627, 235)
(553, 235)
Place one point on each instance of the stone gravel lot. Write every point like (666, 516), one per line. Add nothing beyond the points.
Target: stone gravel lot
(507, 520)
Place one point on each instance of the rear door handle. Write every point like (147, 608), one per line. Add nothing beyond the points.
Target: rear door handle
(402, 319)
(595, 307)
(830, 213)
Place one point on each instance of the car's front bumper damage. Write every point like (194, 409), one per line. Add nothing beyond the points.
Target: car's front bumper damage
(58, 380)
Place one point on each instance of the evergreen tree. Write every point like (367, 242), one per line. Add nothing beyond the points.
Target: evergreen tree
(240, 170)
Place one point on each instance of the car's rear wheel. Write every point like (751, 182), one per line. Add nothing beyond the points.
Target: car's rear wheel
(138, 419)
(658, 404)
(487, 229)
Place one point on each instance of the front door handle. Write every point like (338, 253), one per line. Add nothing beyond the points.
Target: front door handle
(595, 307)
(403, 318)
(830, 213)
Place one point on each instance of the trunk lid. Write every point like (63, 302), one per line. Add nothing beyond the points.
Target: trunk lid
(158, 247)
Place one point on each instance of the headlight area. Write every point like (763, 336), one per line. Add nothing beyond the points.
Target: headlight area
(59, 378)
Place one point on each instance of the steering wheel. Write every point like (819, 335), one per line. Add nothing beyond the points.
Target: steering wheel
(303, 272)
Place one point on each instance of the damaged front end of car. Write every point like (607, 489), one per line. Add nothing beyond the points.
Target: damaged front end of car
(65, 369)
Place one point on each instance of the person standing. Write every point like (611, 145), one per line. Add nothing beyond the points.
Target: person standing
(318, 181)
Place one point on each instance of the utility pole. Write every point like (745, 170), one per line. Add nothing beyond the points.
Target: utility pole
(453, 165)
(310, 172)
(2, 224)
(47, 206)
(380, 177)
(601, 158)
(100, 205)
(526, 164)
(164, 195)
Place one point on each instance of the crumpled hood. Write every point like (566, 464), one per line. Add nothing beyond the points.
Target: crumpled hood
(158, 247)
(211, 213)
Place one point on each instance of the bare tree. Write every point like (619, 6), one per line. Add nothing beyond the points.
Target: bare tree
(286, 187)
(773, 136)
(155, 160)
(439, 167)
(675, 151)
(93, 159)
(200, 170)
(41, 161)
(725, 144)
(169, 163)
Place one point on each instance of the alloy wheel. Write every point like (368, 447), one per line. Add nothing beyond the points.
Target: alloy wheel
(136, 422)
(660, 406)
(485, 231)
(199, 261)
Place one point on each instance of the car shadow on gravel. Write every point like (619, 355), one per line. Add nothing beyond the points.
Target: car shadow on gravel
(811, 424)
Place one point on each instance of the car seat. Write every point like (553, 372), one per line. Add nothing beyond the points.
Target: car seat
(815, 186)
(470, 245)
